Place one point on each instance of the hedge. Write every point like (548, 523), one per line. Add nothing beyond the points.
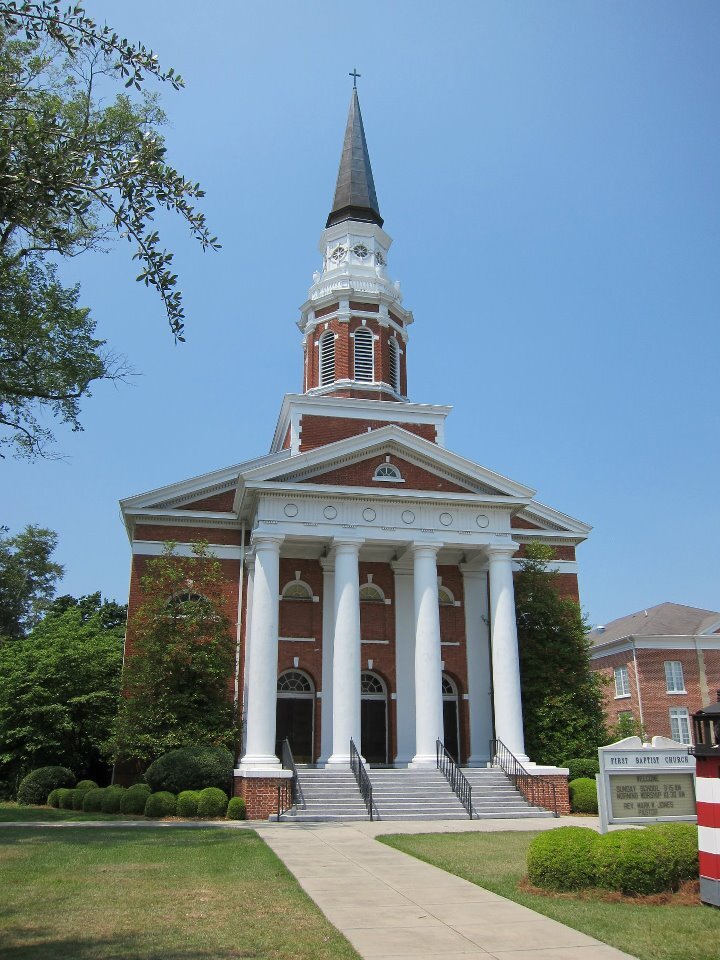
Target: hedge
(236, 809)
(92, 801)
(111, 799)
(86, 785)
(53, 799)
(60, 795)
(583, 795)
(161, 804)
(35, 787)
(187, 803)
(191, 768)
(213, 802)
(563, 859)
(681, 848)
(585, 767)
(133, 800)
(67, 799)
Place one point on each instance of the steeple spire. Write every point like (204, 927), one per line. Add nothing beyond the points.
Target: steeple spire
(355, 197)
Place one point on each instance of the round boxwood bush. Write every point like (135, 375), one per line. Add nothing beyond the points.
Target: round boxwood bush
(585, 767)
(583, 795)
(133, 800)
(161, 804)
(67, 800)
(213, 802)
(187, 803)
(78, 798)
(191, 768)
(92, 800)
(563, 859)
(86, 785)
(111, 799)
(236, 809)
(35, 787)
(634, 862)
(53, 799)
(681, 849)
(60, 796)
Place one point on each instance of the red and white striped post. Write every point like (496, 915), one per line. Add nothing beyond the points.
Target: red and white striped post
(706, 727)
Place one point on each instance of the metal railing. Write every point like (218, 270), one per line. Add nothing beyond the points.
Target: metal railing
(455, 777)
(289, 794)
(363, 780)
(539, 791)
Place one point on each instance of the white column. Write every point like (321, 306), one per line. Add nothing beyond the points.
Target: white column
(404, 663)
(477, 645)
(262, 676)
(328, 630)
(250, 567)
(428, 663)
(505, 660)
(346, 652)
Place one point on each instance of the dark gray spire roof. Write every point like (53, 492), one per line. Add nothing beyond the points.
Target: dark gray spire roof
(355, 197)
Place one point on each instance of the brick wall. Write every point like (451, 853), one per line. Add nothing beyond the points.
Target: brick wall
(549, 792)
(261, 795)
(362, 473)
(183, 534)
(318, 431)
(218, 502)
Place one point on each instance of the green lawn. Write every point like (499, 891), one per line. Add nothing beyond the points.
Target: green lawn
(496, 861)
(166, 894)
(15, 813)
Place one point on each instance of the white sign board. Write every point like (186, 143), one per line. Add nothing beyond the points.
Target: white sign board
(642, 782)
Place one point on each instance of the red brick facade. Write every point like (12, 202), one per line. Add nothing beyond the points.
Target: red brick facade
(361, 474)
(318, 431)
(262, 795)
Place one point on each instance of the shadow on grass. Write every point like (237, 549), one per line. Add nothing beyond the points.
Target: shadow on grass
(165, 836)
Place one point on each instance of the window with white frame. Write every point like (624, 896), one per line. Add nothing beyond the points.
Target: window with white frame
(674, 679)
(327, 358)
(364, 350)
(386, 471)
(622, 682)
(680, 724)
(394, 365)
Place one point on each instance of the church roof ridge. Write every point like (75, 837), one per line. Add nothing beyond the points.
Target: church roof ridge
(355, 196)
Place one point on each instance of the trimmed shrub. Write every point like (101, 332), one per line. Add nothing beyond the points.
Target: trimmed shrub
(134, 798)
(634, 861)
(67, 800)
(236, 809)
(78, 798)
(60, 795)
(586, 767)
(92, 801)
(681, 849)
(583, 795)
(111, 799)
(86, 785)
(187, 803)
(53, 799)
(161, 804)
(191, 768)
(35, 787)
(563, 859)
(213, 802)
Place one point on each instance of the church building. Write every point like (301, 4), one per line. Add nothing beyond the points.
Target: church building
(369, 569)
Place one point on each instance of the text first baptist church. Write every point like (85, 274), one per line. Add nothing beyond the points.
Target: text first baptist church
(369, 568)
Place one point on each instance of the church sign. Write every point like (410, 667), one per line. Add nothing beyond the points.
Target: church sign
(639, 782)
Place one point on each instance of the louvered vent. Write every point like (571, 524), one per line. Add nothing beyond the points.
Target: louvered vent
(364, 355)
(327, 358)
(394, 365)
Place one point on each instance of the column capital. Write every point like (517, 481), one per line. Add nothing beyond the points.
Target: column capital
(426, 546)
(267, 541)
(347, 544)
(502, 551)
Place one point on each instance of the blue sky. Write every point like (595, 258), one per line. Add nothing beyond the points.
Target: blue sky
(549, 174)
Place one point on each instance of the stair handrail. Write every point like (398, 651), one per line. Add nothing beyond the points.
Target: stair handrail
(288, 762)
(361, 775)
(530, 786)
(446, 764)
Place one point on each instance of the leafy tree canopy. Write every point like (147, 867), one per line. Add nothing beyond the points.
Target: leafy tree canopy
(27, 579)
(75, 168)
(562, 696)
(59, 689)
(180, 658)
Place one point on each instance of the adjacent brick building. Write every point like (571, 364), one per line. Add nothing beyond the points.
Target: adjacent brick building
(661, 665)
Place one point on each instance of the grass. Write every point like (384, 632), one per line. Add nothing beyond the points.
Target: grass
(16, 813)
(496, 861)
(168, 893)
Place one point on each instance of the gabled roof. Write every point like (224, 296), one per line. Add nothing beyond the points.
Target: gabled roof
(662, 620)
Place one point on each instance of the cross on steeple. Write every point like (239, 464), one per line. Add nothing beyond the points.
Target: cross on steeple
(355, 76)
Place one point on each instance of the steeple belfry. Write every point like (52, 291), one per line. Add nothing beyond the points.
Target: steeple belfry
(355, 197)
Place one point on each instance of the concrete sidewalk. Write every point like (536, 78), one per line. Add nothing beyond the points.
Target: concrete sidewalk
(390, 905)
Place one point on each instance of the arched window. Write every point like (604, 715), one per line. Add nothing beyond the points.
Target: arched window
(394, 365)
(327, 358)
(445, 598)
(386, 471)
(294, 683)
(369, 593)
(297, 590)
(449, 690)
(371, 685)
(364, 365)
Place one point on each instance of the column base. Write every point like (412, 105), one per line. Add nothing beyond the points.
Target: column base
(339, 760)
(423, 761)
(260, 762)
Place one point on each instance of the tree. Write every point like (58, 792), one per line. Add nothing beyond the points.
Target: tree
(27, 579)
(561, 695)
(179, 662)
(59, 689)
(73, 171)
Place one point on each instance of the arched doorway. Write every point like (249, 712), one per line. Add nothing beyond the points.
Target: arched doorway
(451, 717)
(373, 718)
(295, 713)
